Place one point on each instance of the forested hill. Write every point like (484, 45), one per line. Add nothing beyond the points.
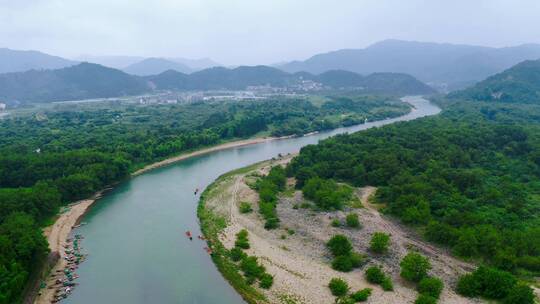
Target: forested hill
(519, 84)
(88, 80)
(244, 76)
(82, 81)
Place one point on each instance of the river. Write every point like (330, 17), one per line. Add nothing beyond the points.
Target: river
(138, 252)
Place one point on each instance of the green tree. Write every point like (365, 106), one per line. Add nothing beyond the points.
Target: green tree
(379, 242)
(338, 287)
(414, 267)
(339, 245)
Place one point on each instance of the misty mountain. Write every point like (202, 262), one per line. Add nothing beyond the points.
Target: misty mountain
(520, 83)
(245, 76)
(196, 64)
(20, 61)
(153, 66)
(115, 62)
(88, 80)
(82, 81)
(434, 63)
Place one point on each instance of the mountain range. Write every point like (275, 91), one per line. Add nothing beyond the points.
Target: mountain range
(88, 80)
(520, 83)
(153, 66)
(20, 61)
(447, 66)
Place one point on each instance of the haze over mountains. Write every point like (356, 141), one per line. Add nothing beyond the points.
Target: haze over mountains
(20, 61)
(153, 66)
(440, 65)
(88, 80)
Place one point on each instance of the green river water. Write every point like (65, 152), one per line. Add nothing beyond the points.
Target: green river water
(138, 252)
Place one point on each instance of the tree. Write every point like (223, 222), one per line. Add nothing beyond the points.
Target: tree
(352, 220)
(379, 242)
(339, 245)
(431, 286)
(414, 267)
(338, 287)
(520, 294)
(361, 295)
(425, 299)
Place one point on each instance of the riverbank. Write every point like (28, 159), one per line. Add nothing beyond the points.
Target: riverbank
(295, 254)
(57, 236)
(228, 145)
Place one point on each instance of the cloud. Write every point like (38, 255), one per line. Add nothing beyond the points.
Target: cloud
(262, 31)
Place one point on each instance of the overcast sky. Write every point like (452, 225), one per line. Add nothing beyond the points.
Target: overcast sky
(257, 31)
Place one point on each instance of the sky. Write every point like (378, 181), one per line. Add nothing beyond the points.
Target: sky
(235, 32)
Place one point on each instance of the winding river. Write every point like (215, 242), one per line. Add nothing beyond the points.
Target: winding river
(138, 252)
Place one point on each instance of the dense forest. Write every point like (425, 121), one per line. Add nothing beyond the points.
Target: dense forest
(64, 153)
(467, 179)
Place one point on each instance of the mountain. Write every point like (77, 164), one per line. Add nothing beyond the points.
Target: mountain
(88, 80)
(115, 62)
(196, 64)
(242, 77)
(153, 66)
(82, 81)
(520, 83)
(444, 65)
(20, 61)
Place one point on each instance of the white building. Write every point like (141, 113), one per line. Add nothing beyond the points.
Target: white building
(3, 106)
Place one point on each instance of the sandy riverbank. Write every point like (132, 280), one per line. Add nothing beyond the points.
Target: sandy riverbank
(300, 262)
(233, 144)
(56, 235)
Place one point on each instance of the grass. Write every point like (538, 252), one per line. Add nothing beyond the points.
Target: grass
(211, 226)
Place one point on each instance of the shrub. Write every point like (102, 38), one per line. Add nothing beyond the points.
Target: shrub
(339, 245)
(425, 299)
(431, 286)
(361, 295)
(357, 259)
(344, 300)
(495, 284)
(387, 284)
(468, 286)
(271, 223)
(266, 281)
(379, 242)
(335, 223)
(352, 220)
(342, 263)
(338, 287)
(486, 282)
(242, 239)
(375, 275)
(414, 267)
(251, 267)
(236, 254)
(520, 294)
(245, 207)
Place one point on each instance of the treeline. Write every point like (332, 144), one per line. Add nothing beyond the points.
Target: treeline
(66, 153)
(467, 180)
